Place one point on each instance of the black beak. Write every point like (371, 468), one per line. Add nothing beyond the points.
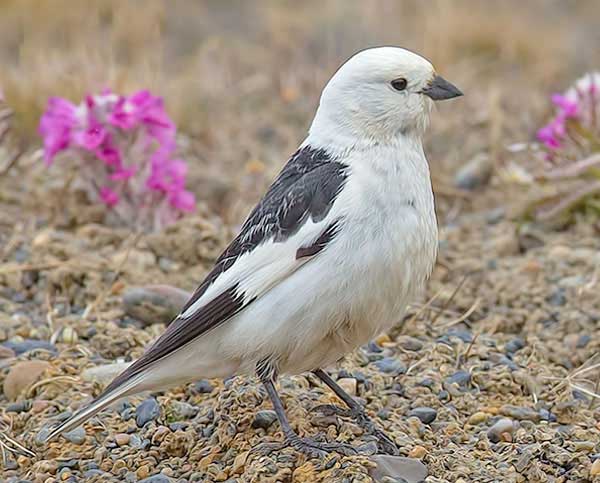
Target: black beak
(440, 89)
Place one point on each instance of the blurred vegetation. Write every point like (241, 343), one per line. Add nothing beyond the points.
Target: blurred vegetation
(208, 56)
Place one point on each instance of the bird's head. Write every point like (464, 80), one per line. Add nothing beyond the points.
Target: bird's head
(380, 94)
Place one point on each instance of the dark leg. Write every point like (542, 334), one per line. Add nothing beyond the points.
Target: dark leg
(356, 411)
(306, 445)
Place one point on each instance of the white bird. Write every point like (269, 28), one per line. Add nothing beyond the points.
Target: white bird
(343, 239)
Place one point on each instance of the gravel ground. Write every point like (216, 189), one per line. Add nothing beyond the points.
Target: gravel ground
(484, 380)
(490, 377)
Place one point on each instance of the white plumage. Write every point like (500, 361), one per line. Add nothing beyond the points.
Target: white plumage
(341, 243)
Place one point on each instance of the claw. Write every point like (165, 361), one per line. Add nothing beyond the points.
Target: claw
(384, 443)
(331, 410)
(308, 446)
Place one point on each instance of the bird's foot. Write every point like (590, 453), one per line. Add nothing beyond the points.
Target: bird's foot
(309, 446)
(384, 443)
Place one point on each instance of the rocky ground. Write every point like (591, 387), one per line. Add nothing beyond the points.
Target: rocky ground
(490, 377)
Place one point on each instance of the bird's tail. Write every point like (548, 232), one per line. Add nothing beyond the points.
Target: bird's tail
(108, 397)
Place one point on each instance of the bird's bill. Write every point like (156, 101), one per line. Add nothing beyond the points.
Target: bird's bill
(440, 89)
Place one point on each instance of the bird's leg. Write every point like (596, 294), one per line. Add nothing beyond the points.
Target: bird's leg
(305, 445)
(356, 411)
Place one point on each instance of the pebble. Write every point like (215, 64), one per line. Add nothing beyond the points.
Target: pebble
(514, 345)
(6, 352)
(147, 411)
(27, 345)
(417, 452)
(22, 375)
(154, 304)
(183, 410)
(240, 462)
(465, 335)
(202, 387)
(348, 384)
(520, 413)
(595, 469)
(18, 407)
(122, 439)
(425, 414)
(389, 365)
(411, 343)
(475, 173)
(583, 341)
(76, 436)
(459, 378)
(397, 468)
(502, 430)
(264, 419)
(558, 298)
(160, 478)
(477, 418)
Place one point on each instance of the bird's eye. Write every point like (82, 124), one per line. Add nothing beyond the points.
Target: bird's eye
(399, 84)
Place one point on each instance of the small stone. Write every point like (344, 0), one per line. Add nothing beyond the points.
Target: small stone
(147, 411)
(239, 462)
(69, 336)
(425, 414)
(502, 430)
(202, 387)
(417, 452)
(122, 439)
(474, 174)
(514, 345)
(264, 419)
(558, 298)
(460, 379)
(583, 341)
(182, 410)
(382, 339)
(389, 365)
(6, 352)
(477, 418)
(28, 345)
(142, 472)
(348, 384)
(154, 304)
(76, 436)
(18, 407)
(160, 478)
(39, 406)
(595, 469)
(397, 468)
(465, 335)
(22, 375)
(411, 343)
(520, 413)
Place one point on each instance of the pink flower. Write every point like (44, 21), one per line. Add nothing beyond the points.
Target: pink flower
(108, 196)
(183, 200)
(124, 114)
(123, 173)
(109, 153)
(91, 136)
(568, 106)
(548, 137)
(132, 139)
(55, 127)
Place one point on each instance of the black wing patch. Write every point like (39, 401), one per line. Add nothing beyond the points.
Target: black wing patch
(320, 243)
(305, 189)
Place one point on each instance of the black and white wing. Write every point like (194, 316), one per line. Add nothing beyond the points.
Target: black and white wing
(261, 256)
